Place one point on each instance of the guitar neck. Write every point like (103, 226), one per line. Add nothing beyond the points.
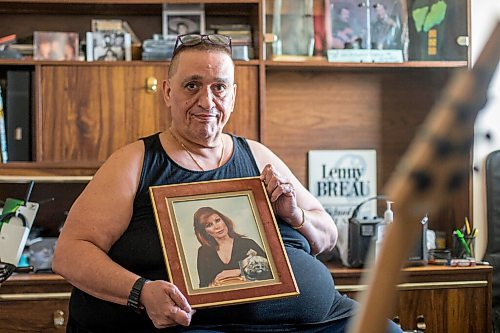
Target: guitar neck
(436, 165)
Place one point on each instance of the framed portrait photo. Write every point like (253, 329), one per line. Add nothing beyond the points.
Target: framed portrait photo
(108, 46)
(183, 19)
(221, 242)
(57, 46)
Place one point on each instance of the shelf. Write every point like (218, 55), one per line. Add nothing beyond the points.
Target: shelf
(45, 179)
(125, 2)
(31, 62)
(316, 64)
(30, 170)
(325, 65)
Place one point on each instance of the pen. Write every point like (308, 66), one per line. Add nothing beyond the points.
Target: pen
(467, 225)
(462, 240)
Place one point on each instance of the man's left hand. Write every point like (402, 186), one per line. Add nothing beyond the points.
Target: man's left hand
(282, 195)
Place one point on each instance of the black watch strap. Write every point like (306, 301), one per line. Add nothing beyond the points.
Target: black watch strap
(135, 295)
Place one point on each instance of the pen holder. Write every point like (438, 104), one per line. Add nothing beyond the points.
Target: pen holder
(463, 247)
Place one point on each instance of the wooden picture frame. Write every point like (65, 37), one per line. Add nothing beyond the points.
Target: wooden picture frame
(245, 203)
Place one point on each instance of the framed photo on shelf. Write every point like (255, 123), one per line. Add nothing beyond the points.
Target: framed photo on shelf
(374, 33)
(180, 19)
(193, 218)
(50, 45)
(108, 46)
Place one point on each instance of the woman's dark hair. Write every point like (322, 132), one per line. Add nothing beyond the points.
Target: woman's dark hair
(200, 222)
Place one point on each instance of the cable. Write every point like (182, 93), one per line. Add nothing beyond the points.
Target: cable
(356, 210)
(5, 218)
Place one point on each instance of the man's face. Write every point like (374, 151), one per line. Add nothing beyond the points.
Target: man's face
(344, 15)
(201, 94)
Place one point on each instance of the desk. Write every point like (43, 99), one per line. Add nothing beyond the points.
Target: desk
(444, 299)
(440, 299)
(34, 303)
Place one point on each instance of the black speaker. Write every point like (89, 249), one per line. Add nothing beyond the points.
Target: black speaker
(362, 235)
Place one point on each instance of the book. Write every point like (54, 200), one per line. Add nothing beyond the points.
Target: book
(108, 46)
(50, 45)
(340, 180)
(18, 115)
(6, 40)
(435, 29)
(3, 135)
(24, 49)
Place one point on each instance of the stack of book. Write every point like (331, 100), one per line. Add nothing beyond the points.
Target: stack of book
(159, 48)
(3, 134)
(11, 49)
(16, 118)
(241, 39)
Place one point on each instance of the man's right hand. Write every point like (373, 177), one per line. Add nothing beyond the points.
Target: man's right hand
(165, 304)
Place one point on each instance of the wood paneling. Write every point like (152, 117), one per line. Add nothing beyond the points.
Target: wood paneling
(91, 111)
(245, 118)
(374, 109)
(347, 110)
(96, 110)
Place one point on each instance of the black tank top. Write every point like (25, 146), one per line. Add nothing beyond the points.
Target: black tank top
(139, 251)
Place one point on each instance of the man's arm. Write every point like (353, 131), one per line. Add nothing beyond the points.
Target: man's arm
(96, 220)
(288, 196)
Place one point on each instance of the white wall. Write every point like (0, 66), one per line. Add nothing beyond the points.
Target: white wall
(484, 16)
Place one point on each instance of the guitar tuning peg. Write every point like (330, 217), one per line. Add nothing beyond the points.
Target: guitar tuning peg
(475, 168)
(488, 135)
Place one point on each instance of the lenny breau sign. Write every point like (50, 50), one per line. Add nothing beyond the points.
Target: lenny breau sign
(192, 216)
(341, 179)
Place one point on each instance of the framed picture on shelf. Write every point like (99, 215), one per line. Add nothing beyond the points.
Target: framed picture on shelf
(293, 25)
(194, 218)
(50, 45)
(180, 19)
(437, 30)
(367, 33)
(108, 46)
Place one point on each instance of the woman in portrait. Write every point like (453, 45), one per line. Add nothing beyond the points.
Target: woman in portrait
(222, 249)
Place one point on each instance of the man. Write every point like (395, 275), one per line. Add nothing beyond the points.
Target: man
(109, 245)
(385, 30)
(344, 36)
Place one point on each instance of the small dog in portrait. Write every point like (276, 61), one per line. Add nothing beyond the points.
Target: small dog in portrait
(255, 267)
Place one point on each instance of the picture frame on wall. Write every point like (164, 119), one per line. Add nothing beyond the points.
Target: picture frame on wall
(192, 216)
(180, 19)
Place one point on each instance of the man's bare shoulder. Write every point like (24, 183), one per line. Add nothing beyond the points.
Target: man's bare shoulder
(263, 155)
(258, 147)
(126, 162)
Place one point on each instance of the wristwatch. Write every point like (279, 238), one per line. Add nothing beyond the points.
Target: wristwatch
(135, 295)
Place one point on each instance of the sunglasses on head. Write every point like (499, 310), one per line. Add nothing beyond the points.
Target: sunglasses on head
(195, 39)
